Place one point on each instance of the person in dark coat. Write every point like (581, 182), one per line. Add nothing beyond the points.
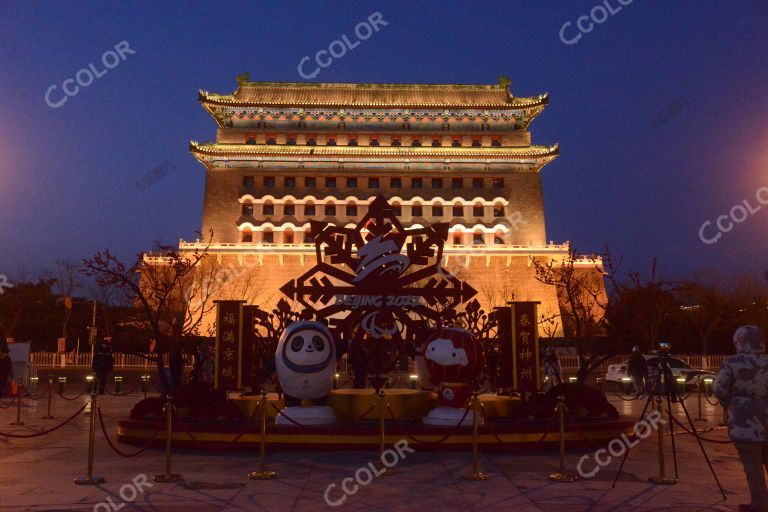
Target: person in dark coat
(103, 363)
(176, 365)
(638, 370)
(742, 388)
(6, 369)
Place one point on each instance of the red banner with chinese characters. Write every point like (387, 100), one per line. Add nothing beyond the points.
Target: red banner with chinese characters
(525, 346)
(229, 344)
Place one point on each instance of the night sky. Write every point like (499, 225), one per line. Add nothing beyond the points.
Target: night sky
(661, 113)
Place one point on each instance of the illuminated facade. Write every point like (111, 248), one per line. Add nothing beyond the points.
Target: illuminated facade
(288, 153)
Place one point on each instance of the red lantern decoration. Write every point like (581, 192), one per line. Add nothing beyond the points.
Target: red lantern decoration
(454, 359)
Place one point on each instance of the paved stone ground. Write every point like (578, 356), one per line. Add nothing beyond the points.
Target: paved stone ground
(36, 474)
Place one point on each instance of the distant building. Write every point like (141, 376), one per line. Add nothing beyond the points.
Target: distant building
(286, 153)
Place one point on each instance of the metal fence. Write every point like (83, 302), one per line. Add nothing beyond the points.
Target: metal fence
(711, 362)
(568, 362)
(83, 360)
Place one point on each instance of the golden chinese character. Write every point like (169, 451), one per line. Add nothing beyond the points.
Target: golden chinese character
(229, 337)
(524, 321)
(229, 355)
(525, 373)
(525, 355)
(229, 318)
(228, 372)
(524, 335)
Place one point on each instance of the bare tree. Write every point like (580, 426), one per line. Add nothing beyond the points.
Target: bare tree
(581, 293)
(156, 282)
(66, 281)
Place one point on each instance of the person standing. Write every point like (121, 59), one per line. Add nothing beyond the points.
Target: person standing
(103, 363)
(6, 369)
(638, 370)
(176, 365)
(742, 388)
(553, 373)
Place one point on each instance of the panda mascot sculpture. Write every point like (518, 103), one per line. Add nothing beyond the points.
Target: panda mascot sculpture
(305, 361)
(454, 359)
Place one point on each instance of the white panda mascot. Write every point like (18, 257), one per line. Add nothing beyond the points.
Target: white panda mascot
(305, 361)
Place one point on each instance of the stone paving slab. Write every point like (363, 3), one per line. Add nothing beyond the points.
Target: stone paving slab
(36, 475)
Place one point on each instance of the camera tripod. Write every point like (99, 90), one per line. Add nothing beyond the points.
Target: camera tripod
(664, 388)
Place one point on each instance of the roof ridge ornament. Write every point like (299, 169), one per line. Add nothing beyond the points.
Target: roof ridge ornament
(505, 81)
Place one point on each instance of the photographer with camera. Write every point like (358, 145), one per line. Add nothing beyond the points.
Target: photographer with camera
(742, 388)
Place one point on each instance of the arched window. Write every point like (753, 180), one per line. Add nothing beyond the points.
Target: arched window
(397, 210)
(351, 210)
(289, 208)
(417, 210)
(267, 236)
(437, 210)
(309, 208)
(498, 238)
(498, 210)
(478, 210)
(458, 237)
(268, 208)
(288, 237)
(330, 209)
(458, 210)
(247, 236)
(478, 238)
(248, 208)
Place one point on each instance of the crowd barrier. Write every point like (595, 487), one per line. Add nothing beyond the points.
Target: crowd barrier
(558, 424)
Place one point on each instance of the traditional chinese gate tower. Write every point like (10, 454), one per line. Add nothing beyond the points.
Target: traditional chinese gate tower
(288, 153)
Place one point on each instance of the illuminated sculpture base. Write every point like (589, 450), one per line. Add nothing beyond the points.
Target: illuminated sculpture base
(306, 415)
(449, 417)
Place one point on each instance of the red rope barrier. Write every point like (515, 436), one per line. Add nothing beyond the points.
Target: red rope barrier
(232, 442)
(116, 449)
(509, 446)
(41, 395)
(44, 432)
(591, 443)
(85, 389)
(288, 417)
(123, 394)
(421, 441)
(697, 433)
(10, 404)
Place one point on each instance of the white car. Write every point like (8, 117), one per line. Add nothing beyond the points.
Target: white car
(618, 373)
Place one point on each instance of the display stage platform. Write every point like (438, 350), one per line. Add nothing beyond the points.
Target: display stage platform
(358, 428)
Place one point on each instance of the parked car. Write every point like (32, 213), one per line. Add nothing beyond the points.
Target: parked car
(617, 373)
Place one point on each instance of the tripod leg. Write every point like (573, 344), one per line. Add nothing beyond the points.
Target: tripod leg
(672, 433)
(703, 451)
(626, 454)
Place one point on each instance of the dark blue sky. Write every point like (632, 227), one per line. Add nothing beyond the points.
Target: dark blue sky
(661, 113)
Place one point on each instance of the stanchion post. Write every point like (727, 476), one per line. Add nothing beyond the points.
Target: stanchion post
(118, 384)
(262, 473)
(48, 415)
(62, 383)
(18, 405)
(561, 475)
(476, 475)
(662, 478)
(89, 479)
(168, 476)
(698, 398)
(145, 384)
